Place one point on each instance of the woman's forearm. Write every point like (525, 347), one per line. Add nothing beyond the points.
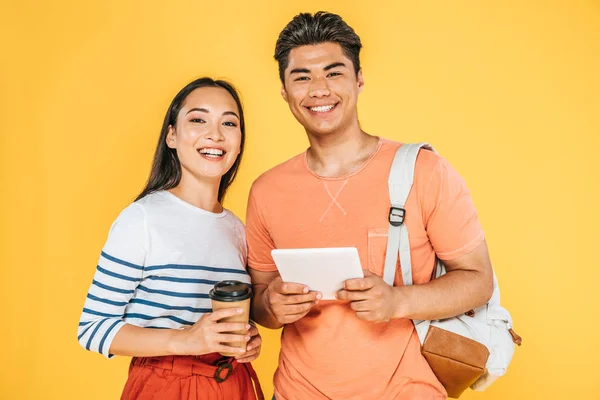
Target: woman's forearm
(135, 341)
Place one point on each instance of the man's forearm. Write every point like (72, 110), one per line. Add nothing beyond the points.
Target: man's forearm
(452, 294)
(260, 309)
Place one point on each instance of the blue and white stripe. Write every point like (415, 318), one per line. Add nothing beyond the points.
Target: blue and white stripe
(133, 284)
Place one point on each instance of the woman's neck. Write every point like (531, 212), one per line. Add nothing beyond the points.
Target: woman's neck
(199, 192)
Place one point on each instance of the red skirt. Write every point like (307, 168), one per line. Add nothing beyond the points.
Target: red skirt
(207, 377)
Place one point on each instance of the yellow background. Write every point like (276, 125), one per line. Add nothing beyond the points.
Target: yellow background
(508, 91)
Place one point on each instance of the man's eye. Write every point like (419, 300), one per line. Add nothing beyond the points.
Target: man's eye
(197, 120)
(230, 124)
(302, 78)
(334, 74)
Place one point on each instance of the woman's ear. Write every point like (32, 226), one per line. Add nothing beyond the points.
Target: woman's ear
(170, 139)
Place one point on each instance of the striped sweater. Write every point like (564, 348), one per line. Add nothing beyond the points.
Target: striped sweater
(161, 258)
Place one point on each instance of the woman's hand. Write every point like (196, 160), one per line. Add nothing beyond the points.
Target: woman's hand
(210, 336)
(253, 348)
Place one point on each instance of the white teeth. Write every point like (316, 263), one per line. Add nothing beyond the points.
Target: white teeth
(322, 108)
(212, 152)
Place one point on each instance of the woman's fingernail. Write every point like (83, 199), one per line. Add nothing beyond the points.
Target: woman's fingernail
(305, 290)
(248, 326)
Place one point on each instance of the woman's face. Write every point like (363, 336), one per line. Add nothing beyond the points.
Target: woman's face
(207, 135)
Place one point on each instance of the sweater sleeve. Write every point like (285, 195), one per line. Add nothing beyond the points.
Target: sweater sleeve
(118, 273)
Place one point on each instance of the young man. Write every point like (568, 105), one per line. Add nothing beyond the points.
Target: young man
(362, 346)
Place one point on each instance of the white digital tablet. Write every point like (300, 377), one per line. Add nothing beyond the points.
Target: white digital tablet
(321, 269)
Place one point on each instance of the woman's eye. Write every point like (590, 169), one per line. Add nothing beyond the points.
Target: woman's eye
(231, 124)
(197, 120)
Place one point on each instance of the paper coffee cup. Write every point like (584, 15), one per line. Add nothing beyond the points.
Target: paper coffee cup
(232, 294)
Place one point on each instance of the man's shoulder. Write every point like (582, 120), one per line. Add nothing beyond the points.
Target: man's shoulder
(426, 160)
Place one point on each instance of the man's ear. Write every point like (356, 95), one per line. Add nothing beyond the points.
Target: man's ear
(361, 81)
(284, 93)
(170, 139)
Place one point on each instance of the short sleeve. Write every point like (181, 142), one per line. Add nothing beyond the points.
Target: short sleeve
(259, 241)
(452, 223)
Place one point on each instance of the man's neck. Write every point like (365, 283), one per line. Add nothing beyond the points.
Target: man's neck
(340, 153)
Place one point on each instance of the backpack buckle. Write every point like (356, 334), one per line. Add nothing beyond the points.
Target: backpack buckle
(396, 216)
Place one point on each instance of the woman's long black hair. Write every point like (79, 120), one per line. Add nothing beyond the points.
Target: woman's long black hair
(166, 168)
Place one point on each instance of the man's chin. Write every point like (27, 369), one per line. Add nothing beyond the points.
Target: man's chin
(321, 131)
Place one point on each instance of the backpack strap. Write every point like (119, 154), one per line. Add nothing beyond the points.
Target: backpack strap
(400, 182)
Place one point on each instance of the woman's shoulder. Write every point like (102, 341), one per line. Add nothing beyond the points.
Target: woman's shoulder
(134, 213)
(234, 218)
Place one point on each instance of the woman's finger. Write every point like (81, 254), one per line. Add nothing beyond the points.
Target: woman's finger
(248, 356)
(255, 342)
(253, 331)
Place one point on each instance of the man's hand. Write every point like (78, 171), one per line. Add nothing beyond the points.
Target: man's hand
(371, 298)
(288, 302)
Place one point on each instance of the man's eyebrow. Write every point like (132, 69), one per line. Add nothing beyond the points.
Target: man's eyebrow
(300, 71)
(336, 64)
(307, 71)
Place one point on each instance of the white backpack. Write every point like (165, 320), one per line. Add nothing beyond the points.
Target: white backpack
(490, 324)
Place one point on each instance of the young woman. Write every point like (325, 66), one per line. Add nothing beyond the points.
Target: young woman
(149, 297)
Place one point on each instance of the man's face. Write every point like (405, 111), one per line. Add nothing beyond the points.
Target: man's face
(321, 88)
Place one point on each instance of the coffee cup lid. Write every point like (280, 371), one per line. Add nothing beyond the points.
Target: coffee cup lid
(230, 291)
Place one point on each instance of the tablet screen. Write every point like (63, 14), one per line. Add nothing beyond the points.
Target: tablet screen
(321, 269)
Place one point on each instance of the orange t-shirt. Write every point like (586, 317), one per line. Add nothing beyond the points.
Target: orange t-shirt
(330, 353)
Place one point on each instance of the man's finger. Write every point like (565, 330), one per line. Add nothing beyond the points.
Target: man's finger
(300, 298)
(290, 288)
(362, 305)
(352, 295)
(365, 315)
(361, 283)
